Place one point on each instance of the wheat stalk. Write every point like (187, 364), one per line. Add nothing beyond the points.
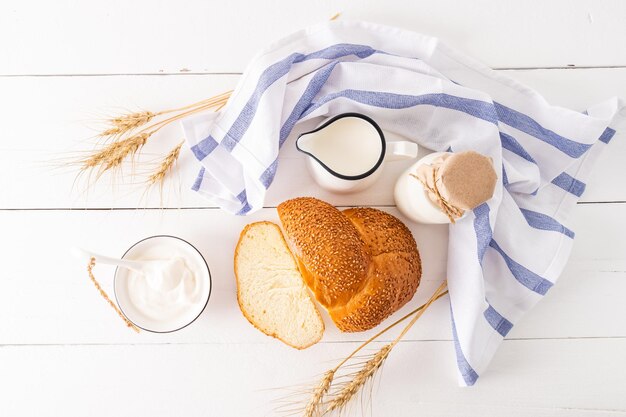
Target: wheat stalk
(313, 406)
(114, 154)
(90, 265)
(165, 166)
(127, 122)
(352, 387)
(131, 131)
(346, 391)
(128, 138)
(215, 103)
(371, 366)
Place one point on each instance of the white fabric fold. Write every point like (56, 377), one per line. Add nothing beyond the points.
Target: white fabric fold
(502, 257)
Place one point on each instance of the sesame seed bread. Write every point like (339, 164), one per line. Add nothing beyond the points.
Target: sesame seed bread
(394, 274)
(270, 289)
(333, 258)
(362, 264)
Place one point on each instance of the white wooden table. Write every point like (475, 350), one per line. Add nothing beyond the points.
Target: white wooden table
(63, 64)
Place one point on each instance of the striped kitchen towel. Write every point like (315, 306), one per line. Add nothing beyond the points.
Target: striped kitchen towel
(506, 254)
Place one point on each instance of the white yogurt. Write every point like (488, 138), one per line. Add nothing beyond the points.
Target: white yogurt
(166, 291)
(169, 293)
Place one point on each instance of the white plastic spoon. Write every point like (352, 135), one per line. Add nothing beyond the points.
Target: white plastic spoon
(153, 270)
(137, 266)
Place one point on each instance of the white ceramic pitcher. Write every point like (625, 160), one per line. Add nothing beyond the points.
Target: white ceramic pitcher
(346, 153)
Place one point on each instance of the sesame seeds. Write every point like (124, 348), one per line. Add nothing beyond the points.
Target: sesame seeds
(362, 264)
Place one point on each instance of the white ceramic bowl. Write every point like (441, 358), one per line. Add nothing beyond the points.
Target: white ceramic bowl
(159, 247)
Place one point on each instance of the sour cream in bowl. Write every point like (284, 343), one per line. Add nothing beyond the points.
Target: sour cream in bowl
(171, 293)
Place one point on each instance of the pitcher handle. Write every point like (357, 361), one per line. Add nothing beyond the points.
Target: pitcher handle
(401, 150)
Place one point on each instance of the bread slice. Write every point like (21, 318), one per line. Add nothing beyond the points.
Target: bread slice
(270, 289)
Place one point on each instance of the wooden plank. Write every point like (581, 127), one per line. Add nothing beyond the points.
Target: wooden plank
(63, 351)
(120, 37)
(538, 378)
(61, 113)
(49, 297)
(68, 113)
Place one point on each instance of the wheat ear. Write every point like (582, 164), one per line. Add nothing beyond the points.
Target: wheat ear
(165, 166)
(127, 122)
(312, 408)
(371, 366)
(130, 134)
(111, 156)
(317, 396)
(90, 265)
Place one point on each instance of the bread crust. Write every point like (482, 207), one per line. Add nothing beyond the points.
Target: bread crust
(332, 256)
(243, 310)
(395, 274)
(361, 264)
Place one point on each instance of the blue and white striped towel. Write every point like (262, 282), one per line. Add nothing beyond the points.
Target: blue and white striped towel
(505, 255)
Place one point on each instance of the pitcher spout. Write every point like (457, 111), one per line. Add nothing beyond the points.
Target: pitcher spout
(304, 143)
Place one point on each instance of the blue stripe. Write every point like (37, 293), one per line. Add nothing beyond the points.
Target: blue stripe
(497, 321)
(469, 374)
(242, 197)
(528, 125)
(482, 229)
(267, 78)
(607, 135)
(483, 110)
(198, 182)
(544, 222)
(505, 178)
(268, 175)
(521, 151)
(570, 184)
(340, 50)
(509, 143)
(277, 71)
(281, 68)
(246, 208)
(523, 275)
(204, 147)
(476, 108)
(274, 72)
(314, 87)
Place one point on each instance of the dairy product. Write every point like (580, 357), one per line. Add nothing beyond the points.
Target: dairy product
(412, 198)
(169, 291)
(164, 290)
(443, 186)
(349, 146)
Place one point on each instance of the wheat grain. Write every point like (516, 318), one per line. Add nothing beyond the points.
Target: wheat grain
(313, 407)
(112, 155)
(335, 16)
(127, 122)
(165, 166)
(131, 131)
(90, 265)
(357, 380)
(316, 397)
(360, 378)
